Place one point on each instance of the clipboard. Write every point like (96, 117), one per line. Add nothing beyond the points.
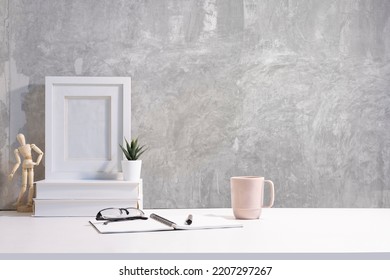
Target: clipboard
(167, 223)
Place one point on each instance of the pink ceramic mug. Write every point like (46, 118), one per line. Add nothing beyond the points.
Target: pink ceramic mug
(247, 196)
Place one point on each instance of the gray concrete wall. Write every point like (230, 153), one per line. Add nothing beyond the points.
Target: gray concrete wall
(296, 91)
(6, 190)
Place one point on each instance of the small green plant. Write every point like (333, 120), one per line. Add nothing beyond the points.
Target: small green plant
(133, 150)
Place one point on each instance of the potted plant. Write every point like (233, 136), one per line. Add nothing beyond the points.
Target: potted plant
(131, 166)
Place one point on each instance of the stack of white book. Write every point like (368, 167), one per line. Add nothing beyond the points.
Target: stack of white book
(84, 197)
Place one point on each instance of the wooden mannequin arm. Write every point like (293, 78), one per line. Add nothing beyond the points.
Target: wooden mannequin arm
(39, 152)
(17, 164)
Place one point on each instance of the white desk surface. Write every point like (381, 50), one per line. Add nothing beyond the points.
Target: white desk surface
(279, 230)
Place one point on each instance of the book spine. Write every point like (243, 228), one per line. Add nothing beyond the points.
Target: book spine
(77, 208)
(111, 190)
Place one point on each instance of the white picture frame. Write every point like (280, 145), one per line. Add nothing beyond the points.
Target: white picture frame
(86, 120)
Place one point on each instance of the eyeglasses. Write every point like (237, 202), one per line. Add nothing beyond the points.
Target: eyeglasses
(120, 214)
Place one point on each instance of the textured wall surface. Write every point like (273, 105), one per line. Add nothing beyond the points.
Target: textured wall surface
(296, 91)
(6, 192)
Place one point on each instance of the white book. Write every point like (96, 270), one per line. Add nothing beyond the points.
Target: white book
(79, 207)
(166, 223)
(88, 189)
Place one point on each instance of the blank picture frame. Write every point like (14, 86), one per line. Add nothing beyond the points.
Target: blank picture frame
(86, 120)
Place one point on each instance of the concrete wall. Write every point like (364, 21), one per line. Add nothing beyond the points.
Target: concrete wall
(296, 91)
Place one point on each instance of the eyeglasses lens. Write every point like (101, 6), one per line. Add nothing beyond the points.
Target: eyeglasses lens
(120, 213)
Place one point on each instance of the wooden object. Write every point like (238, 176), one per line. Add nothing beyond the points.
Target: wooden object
(25, 150)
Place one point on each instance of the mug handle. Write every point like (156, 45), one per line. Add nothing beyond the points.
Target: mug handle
(272, 198)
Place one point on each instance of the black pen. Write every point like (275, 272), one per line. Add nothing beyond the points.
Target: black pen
(189, 220)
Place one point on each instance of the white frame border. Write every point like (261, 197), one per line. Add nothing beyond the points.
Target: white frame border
(52, 165)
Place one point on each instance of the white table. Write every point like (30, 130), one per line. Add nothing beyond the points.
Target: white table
(280, 230)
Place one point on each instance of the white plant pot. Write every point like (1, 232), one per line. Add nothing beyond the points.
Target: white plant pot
(131, 170)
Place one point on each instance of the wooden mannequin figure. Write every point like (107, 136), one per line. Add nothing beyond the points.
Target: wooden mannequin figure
(27, 172)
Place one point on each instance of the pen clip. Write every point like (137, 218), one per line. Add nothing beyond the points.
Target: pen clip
(189, 220)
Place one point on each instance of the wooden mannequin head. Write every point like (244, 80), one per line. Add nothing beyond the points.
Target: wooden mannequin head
(21, 139)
